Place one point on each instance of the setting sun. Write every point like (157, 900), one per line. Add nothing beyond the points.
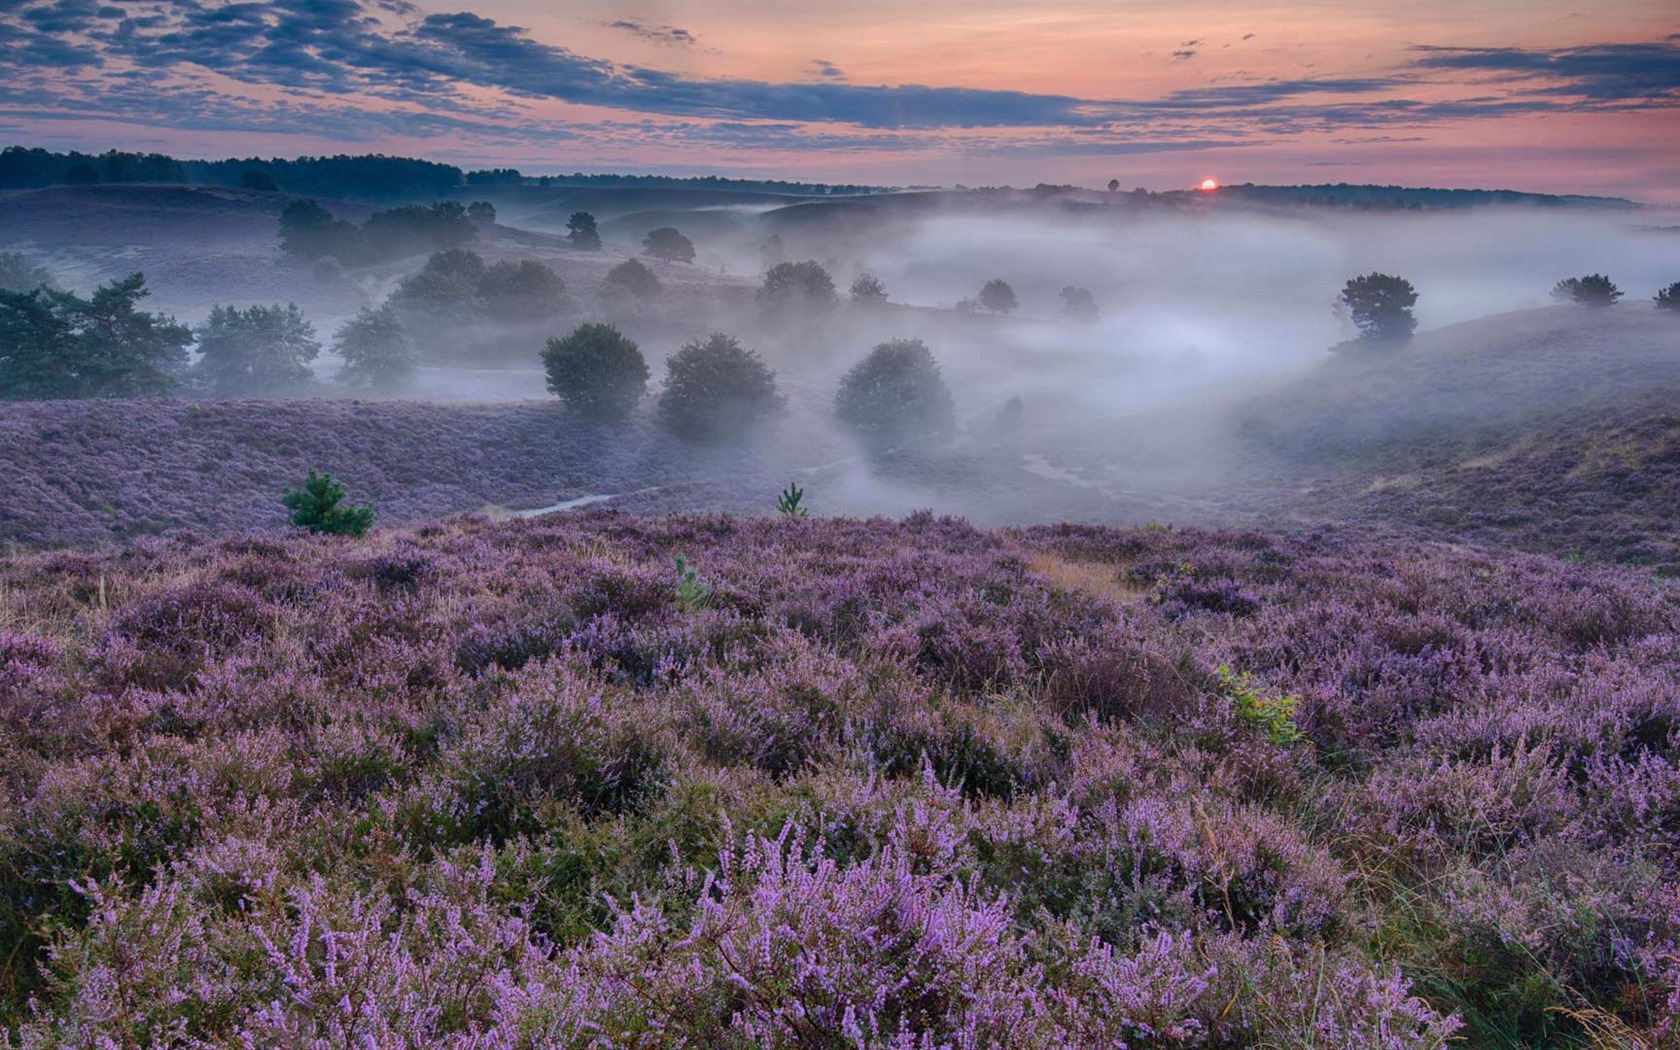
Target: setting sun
(1210, 184)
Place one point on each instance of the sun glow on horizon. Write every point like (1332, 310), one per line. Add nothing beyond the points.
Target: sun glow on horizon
(1210, 183)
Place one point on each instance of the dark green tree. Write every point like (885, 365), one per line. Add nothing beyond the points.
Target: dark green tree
(867, 290)
(319, 507)
(797, 285)
(632, 278)
(1591, 290)
(715, 388)
(666, 243)
(482, 212)
(18, 274)
(1669, 298)
(895, 394)
(376, 349)
(997, 296)
(309, 231)
(582, 233)
(257, 351)
(259, 180)
(1381, 307)
(520, 291)
(55, 344)
(597, 371)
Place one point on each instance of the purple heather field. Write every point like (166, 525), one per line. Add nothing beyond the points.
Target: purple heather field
(866, 783)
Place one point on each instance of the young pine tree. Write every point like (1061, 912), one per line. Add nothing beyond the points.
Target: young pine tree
(319, 507)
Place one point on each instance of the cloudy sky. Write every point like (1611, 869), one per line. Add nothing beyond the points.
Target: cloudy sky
(1551, 95)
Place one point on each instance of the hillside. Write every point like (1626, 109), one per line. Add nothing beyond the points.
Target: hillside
(1051, 788)
(1552, 430)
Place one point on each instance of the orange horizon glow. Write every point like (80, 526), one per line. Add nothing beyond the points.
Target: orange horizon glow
(1210, 184)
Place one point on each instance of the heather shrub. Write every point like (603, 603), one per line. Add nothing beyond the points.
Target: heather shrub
(715, 388)
(596, 371)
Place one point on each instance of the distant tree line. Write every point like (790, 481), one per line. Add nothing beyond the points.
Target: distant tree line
(1347, 195)
(310, 231)
(513, 177)
(371, 178)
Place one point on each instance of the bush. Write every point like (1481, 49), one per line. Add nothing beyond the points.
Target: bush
(1669, 298)
(896, 393)
(716, 388)
(482, 212)
(997, 296)
(318, 507)
(666, 243)
(377, 351)
(257, 351)
(1592, 290)
(633, 278)
(1381, 305)
(797, 284)
(868, 289)
(597, 371)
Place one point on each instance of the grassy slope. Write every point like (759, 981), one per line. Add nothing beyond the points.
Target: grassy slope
(1552, 430)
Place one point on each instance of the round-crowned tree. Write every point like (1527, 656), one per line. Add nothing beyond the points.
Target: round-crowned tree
(715, 388)
(867, 290)
(997, 296)
(632, 278)
(1078, 304)
(1592, 290)
(376, 349)
(666, 243)
(1381, 307)
(895, 394)
(597, 371)
(256, 352)
(794, 285)
(582, 233)
(1669, 298)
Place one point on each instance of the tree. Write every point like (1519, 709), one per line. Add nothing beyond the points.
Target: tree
(797, 284)
(666, 243)
(1591, 290)
(18, 274)
(895, 394)
(997, 296)
(868, 290)
(259, 180)
(376, 350)
(633, 278)
(257, 351)
(55, 344)
(318, 507)
(1381, 306)
(716, 388)
(1113, 185)
(772, 252)
(597, 371)
(309, 231)
(583, 233)
(482, 212)
(1669, 298)
(523, 290)
(1078, 304)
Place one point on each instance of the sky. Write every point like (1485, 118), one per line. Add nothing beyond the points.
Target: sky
(1563, 96)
